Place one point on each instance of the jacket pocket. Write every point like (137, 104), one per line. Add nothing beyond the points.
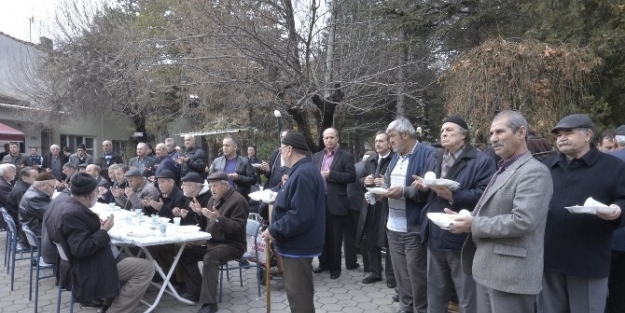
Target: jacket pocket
(519, 252)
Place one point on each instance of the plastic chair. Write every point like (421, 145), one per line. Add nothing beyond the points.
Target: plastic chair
(63, 257)
(14, 248)
(251, 230)
(8, 240)
(39, 267)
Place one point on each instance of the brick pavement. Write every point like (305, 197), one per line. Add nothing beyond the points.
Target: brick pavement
(346, 294)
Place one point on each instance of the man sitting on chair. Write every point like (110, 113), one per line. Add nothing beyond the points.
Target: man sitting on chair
(225, 218)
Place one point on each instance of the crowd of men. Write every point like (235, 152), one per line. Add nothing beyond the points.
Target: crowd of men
(519, 250)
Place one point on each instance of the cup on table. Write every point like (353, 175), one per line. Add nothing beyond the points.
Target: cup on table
(111, 207)
(139, 213)
(177, 221)
(129, 219)
(163, 228)
(154, 218)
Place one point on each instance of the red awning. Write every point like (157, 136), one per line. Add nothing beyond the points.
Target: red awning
(10, 134)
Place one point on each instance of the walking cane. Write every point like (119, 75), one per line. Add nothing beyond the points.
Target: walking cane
(267, 274)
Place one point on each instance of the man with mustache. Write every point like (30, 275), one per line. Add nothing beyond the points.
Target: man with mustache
(577, 246)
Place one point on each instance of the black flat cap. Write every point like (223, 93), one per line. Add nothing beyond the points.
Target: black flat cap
(620, 131)
(166, 174)
(456, 119)
(192, 177)
(573, 121)
(133, 172)
(217, 176)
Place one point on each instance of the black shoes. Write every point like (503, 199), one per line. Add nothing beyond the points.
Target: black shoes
(195, 297)
(353, 267)
(395, 298)
(320, 269)
(208, 308)
(93, 303)
(371, 279)
(390, 282)
(335, 274)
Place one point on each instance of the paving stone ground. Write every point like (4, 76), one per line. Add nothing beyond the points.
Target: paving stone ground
(346, 294)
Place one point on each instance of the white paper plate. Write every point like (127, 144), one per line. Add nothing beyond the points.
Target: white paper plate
(266, 196)
(579, 209)
(453, 185)
(256, 165)
(442, 220)
(378, 190)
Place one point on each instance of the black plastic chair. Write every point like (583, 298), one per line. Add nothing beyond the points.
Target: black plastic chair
(14, 248)
(36, 265)
(251, 230)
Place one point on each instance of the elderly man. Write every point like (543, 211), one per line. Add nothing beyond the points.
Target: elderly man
(473, 169)
(170, 197)
(81, 156)
(197, 192)
(7, 175)
(94, 171)
(97, 267)
(36, 201)
(164, 162)
(193, 160)
(616, 281)
(225, 218)
(298, 224)
(405, 214)
(241, 175)
(337, 168)
(577, 246)
(27, 177)
(69, 169)
(172, 152)
(15, 157)
(53, 162)
(143, 162)
(109, 156)
(373, 217)
(504, 251)
(138, 189)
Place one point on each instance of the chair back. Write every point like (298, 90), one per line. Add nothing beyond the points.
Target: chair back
(4, 211)
(10, 223)
(30, 235)
(61, 252)
(251, 229)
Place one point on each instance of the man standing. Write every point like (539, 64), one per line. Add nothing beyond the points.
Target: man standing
(172, 150)
(275, 167)
(472, 169)
(35, 159)
(404, 222)
(373, 217)
(143, 162)
(53, 162)
(15, 157)
(337, 169)
(224, 218)
(252, 158)
(298, 225)
(193, 160)
(109, 156)
(81, 156)
(504, 250)
(577, 246)
(241, 175)
(36, 201)
(164, 162)
(97, 267)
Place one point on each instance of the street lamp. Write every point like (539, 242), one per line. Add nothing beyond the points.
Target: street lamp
(278, 115)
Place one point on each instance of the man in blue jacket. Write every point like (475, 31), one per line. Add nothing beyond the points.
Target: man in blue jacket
(405, 215)
(473, 169)
(298, 226)
(577, 246)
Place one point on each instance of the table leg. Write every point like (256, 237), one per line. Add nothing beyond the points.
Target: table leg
(166, 284)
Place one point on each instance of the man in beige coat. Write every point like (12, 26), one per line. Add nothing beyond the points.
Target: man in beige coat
(504, 251)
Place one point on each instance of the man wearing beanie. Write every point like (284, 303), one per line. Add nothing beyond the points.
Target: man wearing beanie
(298, 226)
(337, 168)
(473, 169)
(97, 267)
(81, 156)
(36, 201)
(577, 246)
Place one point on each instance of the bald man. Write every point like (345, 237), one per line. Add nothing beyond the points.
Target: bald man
(109, 156)
(193, 160)
(143, 162)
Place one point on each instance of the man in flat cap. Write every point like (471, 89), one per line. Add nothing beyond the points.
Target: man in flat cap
(138, 189)
(170, 196)
(225, 218)
(97, 267)
(197, 192)
(36, 201)
(577, 246)
(298, 224)
(473, 169)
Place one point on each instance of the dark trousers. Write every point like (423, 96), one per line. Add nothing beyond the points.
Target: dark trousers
(330, 258)
(372, 255)
(205, 283)
(349, 237)
(616, 283)
(298, 283)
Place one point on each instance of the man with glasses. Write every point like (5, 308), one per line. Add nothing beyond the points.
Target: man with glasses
(36, 201)
(337, 169)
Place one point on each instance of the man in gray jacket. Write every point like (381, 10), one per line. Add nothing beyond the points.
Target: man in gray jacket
(138, 189)
(504, 251)
(36, 201)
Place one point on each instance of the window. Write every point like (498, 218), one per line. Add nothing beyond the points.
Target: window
(72, 141)
(120, 147)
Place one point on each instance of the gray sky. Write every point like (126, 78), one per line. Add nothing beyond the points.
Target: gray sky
(15, 14)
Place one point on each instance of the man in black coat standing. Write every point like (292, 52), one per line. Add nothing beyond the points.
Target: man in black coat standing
(337, 168)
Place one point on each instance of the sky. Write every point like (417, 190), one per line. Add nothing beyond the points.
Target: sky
(15, 15)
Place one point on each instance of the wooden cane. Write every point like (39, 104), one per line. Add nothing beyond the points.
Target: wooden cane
(267, 274)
